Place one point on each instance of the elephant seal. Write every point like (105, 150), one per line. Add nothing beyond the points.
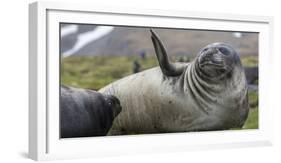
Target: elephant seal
(85, 113)
(252, 74)
(209, 93)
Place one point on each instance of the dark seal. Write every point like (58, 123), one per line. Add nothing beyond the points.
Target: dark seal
(85, 113)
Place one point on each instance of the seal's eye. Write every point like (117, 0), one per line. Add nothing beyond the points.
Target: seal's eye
(224, 51)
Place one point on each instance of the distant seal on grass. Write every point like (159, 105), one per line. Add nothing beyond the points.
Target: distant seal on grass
(209, 93)
(252, 74)
(86, 113)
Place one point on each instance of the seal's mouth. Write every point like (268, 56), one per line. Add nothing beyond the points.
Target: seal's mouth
(213, 56)
(212, 63)
(213, 60)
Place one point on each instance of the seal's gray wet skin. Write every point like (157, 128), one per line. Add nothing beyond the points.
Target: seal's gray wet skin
(209, 93)
(85, 113)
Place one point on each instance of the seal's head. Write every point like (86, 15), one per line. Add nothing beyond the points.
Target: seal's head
(114, 104)
(217, 60)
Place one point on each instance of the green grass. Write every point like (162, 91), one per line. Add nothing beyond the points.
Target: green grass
(253, 99)
(252, 121)
(94, 72)
(249, 61)
(253, 118)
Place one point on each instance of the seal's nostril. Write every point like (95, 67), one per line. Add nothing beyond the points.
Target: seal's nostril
(204, 50)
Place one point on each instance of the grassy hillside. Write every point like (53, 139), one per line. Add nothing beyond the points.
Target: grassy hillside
(94, 72)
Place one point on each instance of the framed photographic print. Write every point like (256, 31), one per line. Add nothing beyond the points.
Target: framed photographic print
(109, 81)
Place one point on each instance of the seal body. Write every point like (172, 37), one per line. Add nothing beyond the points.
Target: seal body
(86, 113)
(209, 93)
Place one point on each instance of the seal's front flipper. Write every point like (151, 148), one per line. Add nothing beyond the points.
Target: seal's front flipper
(168, 69)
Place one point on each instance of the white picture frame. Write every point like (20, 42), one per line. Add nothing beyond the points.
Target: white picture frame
(44, 141)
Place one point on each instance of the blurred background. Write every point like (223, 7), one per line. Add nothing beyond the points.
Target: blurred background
(93, 56)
